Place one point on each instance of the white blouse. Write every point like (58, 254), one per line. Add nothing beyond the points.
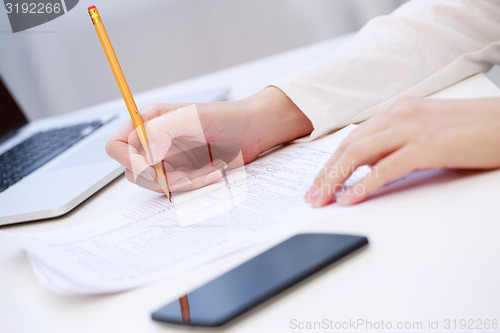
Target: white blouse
(422, 47)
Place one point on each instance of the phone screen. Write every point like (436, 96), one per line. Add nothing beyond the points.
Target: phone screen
(258, 279)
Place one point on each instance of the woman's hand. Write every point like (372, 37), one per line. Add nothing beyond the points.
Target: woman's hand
(413, 134)
(237, 132)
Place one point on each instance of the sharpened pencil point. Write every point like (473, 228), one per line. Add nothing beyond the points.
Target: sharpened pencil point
(163, 183)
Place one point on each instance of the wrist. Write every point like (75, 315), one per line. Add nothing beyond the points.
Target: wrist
(275, 119)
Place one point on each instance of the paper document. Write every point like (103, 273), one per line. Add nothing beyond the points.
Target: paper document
(159, 239)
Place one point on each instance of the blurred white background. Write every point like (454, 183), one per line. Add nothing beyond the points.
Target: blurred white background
(60, 66)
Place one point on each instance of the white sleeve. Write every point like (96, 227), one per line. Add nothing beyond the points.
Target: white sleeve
(422, 47)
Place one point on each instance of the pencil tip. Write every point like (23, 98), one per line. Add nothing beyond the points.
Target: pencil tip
(164, 186)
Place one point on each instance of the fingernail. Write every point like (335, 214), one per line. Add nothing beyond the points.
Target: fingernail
(181, 183)
(347, 199)
(212, 177)
(312, 194)
(221, 166)
(342, 199)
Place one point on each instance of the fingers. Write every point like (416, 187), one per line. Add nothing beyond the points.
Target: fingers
(394, 166)
(125, 146)
(380, 141)
(182, 123)
(376, 142)
(193, 179)
(130, 157)
(117, 147)
(181, 180)
(149, 184)
(368, 150)
(377, 124)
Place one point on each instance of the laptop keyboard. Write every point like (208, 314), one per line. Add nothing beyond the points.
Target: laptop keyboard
(40, 148)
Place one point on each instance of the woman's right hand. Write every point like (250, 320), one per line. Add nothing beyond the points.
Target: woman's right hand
(237, 132)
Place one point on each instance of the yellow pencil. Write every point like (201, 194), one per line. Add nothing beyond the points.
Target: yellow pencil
(127, 95)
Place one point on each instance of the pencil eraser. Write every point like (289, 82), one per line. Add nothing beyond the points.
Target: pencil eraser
(91, 7)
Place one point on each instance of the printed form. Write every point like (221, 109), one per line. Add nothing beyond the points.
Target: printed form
(159, 239)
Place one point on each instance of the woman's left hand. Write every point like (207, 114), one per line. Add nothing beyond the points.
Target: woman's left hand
(412, 134)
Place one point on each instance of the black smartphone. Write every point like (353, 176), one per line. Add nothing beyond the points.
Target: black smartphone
(258, 279)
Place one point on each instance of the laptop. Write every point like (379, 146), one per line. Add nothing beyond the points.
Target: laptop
(49, 166)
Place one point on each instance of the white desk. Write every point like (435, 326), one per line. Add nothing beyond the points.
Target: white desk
(433, 252)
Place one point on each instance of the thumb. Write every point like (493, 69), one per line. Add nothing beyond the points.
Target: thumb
(181, 123)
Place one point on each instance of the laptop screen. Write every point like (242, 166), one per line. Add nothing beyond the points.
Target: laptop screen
(11, 117)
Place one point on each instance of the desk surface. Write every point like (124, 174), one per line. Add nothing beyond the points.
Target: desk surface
(432, 259)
